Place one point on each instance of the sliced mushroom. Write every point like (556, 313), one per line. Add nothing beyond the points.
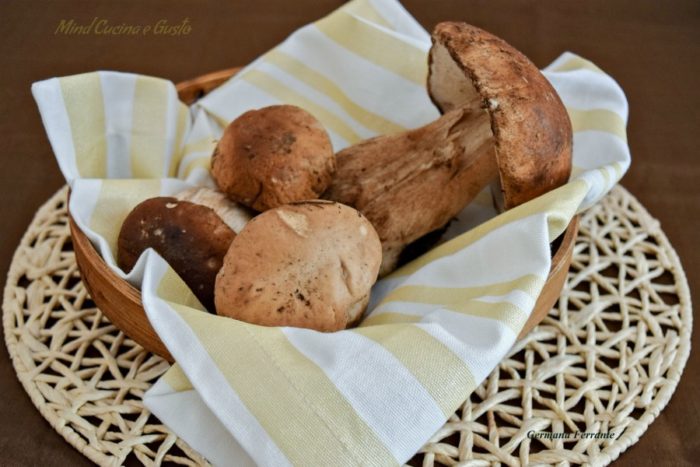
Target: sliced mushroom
(502, 120)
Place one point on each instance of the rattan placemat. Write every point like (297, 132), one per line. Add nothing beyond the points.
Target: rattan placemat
(606, 360)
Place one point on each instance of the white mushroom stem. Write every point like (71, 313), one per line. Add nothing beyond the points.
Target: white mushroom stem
(412, 183)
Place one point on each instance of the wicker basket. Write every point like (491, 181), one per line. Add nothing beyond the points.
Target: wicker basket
(121, 302)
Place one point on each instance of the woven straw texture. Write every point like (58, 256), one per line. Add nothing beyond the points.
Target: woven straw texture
(606, 359)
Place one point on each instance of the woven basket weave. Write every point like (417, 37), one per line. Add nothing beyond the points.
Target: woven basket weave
(606, 359)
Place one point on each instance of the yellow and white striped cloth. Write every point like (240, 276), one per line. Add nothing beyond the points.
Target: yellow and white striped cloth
(245, 395)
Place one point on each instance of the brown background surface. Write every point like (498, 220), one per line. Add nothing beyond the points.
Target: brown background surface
(652, 48)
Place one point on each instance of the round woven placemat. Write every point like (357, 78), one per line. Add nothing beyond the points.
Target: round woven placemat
(606, 360)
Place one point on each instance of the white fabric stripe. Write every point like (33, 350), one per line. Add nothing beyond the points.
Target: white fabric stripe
(203, 373)
(194, 422)
(118, 98)
(83, 199)
(201, 177)
(560, 60)
(588, 90)
(401, 21)
(597, 187)
(191, 156)
(203, 126)
(406, 308)
(512, 251)
(54, 116)
(479, 342)
(171, 117)
(594, 149)
(382, 391)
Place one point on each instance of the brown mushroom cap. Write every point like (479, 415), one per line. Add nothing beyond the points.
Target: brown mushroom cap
(533, 135)
(273, 156)
(309, 264)
(192, 238)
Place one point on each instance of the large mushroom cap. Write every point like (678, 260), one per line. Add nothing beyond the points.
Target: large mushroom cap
(309, 264)
(533, 136)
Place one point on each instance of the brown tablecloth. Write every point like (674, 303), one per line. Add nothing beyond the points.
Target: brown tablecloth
(652, 48)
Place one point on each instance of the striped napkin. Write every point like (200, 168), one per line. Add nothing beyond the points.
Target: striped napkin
(243, 394)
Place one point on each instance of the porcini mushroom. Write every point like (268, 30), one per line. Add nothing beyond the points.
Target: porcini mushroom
(192, 238)
(273, 156)
(309, 264)
(502, 121)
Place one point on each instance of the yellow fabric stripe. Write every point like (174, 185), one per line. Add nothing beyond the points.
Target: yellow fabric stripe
(617, 167)
(577, 63)
(364, 9)
(599, 120)
(390, 317)
(320, 83)
(505, 312)
(286, 415)
(280, 91)
(361, 38)
(530, 284)
(173, 289)
(177, 379)
(87, 128)
(449, 383)
(178, 150)
(148, 130)
(606, 177)
(576, 171)
(203, 162)
(560, 204)
(115, 201)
